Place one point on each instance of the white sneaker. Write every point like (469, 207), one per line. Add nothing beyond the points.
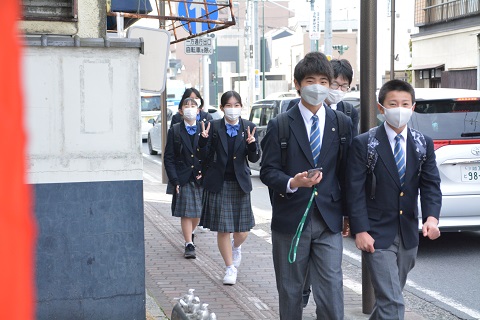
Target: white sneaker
(236, 255)
(230, 276)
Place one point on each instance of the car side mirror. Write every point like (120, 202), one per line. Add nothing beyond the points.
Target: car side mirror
(152, 121)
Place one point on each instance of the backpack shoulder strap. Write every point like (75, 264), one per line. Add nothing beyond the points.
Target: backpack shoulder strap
(176, 139)
(283, 135)
(420, 146)
(372, 157)
(342, 132)
(347, 108)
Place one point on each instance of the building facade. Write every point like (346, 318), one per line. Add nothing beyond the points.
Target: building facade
(446, 50)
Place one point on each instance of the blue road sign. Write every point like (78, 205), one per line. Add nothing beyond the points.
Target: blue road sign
(188, 9)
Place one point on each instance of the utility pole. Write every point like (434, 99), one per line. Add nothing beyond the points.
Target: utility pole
(163, 105)
(368, 99)
(328, 28)
(313, 42)
(392, 39)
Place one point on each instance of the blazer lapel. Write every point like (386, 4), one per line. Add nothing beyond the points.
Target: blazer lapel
(329, 133)
(412, 158)
(186, 137)
(240, 135)
(385, 153)
(300, 132)
(222, 135)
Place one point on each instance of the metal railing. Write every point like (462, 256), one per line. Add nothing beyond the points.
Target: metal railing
(441, 12)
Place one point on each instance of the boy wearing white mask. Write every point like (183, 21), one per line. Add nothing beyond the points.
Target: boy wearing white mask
(342, 78)
(308, 194)
(225, 147)
(383, 197)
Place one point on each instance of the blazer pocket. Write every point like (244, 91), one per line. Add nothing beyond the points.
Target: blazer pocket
(336, 195)
(374, 214)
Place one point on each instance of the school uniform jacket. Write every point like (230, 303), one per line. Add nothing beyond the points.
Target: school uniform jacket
(181, 167)
(288, 208)
(216, 157)
(394, 208)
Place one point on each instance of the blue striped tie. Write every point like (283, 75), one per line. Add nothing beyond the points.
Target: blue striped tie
(315, 139)
(399, 159)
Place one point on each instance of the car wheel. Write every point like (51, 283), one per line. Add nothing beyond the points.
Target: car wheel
(150, 149)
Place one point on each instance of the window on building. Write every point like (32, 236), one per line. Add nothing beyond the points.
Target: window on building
(50, 10)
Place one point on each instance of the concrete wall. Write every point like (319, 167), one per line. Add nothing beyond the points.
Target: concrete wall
(92, 22)
(85, 166)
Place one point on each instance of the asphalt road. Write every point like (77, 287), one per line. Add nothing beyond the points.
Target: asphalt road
(445, 282)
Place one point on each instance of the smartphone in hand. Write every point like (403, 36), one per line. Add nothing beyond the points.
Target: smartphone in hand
(312, 172)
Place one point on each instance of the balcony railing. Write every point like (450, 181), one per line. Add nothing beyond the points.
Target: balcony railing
(449, 10)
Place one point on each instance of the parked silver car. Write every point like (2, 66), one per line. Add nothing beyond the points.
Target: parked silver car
(451, 117)
(262, 112)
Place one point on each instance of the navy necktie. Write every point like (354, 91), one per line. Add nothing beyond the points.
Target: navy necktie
(232, 130)
(191, 130)
(315, 139)
(399, 159)
(198, 116)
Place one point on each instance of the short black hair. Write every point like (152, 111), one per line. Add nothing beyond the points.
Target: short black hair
(187, 94)
(342, 68)
(395, 85)
(227, 95)
(313, 63)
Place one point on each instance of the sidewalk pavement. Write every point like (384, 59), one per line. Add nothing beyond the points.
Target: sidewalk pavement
(169, 275)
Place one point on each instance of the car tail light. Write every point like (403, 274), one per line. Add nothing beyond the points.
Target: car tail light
(440, 143)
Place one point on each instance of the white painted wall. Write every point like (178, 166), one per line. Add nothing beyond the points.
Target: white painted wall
(82, 114)
(456, 49)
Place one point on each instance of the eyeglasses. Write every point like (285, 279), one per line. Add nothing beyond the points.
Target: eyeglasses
(335, 86)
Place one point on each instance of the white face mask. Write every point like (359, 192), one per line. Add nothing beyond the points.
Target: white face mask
(335, 96)
(232, 114)
(190, 114)
(314, 94)
(397, 117)
(198, 101)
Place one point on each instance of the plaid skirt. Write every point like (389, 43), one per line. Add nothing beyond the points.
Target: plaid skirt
(229, 210)
(188, 203)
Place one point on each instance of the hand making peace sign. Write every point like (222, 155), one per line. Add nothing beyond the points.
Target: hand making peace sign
(251, 136)
(205, 130)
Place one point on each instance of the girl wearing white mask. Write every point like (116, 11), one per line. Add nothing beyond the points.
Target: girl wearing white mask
(183, 169)
(225, 147)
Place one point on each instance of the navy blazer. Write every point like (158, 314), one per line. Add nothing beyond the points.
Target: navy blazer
(181, 167)
(288, 208)
(177, 117)
(394, 206)
(216, 156)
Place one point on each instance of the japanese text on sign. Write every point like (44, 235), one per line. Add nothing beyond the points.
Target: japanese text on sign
(199, 46)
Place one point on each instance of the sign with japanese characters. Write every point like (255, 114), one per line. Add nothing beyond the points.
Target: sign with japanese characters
(199, 45)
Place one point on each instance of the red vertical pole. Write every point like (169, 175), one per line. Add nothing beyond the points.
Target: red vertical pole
(17, 227)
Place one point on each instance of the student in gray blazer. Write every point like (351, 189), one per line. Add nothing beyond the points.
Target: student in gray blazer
(382, 201)
(314, 201)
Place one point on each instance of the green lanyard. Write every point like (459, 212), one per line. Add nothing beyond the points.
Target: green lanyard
(298, 233)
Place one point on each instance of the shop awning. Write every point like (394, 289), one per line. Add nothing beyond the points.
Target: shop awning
(427, 66)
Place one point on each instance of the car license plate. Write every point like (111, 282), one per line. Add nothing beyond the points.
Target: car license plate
(470, 173)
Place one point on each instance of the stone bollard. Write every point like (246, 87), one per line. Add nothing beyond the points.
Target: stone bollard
(189, 308)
